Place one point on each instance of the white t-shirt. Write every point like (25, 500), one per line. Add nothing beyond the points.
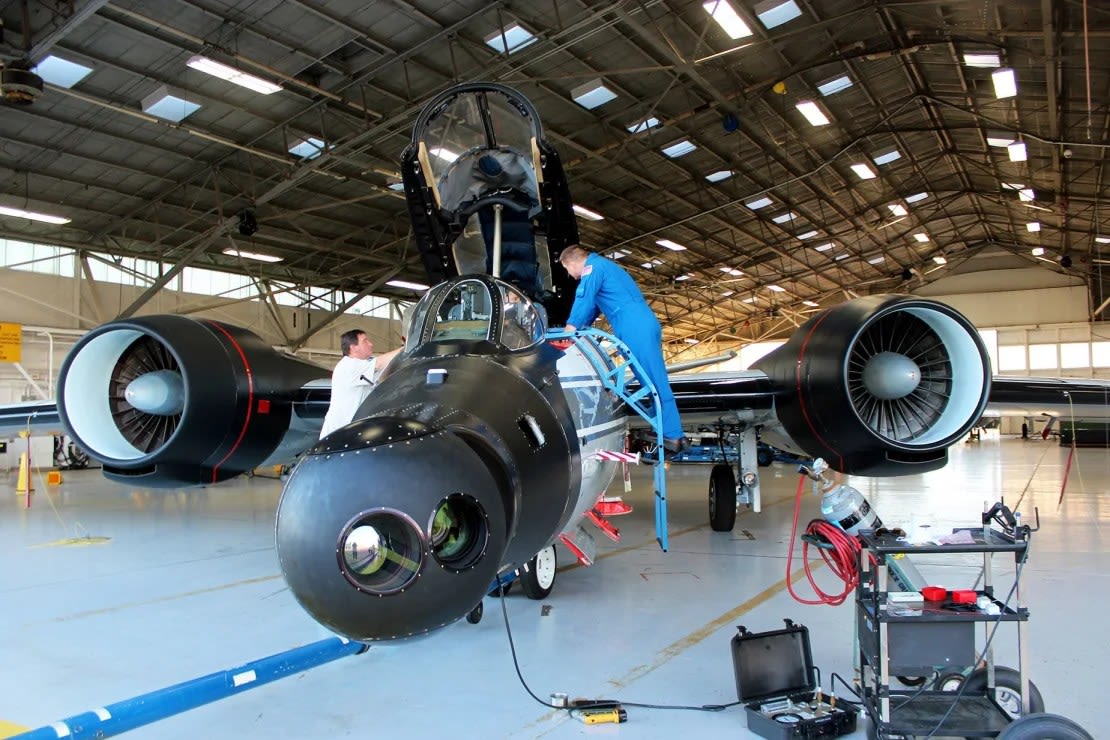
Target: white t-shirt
(351, 382)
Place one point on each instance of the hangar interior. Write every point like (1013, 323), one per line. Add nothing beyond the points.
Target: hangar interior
(749, 163)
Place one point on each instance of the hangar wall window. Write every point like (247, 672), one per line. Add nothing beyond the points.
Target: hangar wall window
(31, 257)
(126, 270)
(1075, 354)
(1042, 357)
(1100, 354)
(990, 341)
(213, 282)
(1011, 359)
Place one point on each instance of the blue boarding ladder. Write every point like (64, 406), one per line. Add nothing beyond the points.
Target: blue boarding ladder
(612, 359)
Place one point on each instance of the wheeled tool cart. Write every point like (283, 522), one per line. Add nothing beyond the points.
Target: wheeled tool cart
(904, 635)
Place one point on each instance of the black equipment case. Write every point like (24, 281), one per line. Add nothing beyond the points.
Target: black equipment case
(775, 681)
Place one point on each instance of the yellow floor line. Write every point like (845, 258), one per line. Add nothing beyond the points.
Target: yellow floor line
(683, 644)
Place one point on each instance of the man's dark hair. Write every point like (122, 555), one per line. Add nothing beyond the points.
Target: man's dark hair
(349, 339)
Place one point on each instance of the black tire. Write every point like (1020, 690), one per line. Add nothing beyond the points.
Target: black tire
(722, 498)
(764, 456)
(912, 681)
(1007, 690)
(475, 615)
(1043, 726)
(950, 679)
(537, 576)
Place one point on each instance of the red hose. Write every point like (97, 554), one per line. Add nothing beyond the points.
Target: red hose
(841, 559)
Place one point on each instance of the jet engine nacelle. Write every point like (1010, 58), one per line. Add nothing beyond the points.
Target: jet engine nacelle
(166, 401)
(880, 385)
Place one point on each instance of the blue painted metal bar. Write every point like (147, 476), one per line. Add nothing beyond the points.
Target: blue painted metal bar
(615, 379)
(142, 710)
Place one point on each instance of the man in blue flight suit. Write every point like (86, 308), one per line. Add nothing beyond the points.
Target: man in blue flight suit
(604, 287)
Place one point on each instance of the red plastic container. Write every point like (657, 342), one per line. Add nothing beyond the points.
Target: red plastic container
(934, 593)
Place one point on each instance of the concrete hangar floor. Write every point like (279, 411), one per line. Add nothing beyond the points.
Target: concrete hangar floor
(188, 584)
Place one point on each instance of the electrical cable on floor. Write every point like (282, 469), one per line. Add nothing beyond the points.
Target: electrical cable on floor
(580, 704)
(840, 555)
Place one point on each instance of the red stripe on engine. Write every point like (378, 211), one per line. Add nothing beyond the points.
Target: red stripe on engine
(798, 388)
(250, 398)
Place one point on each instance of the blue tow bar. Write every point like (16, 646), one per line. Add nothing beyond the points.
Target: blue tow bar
(128, 714)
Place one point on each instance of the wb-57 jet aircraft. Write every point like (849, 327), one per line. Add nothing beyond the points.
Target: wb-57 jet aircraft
(479, 447)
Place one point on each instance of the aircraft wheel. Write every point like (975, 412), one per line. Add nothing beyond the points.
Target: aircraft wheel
(475, 615)
(1043, 726)
(1007, 690)
(722, 498)
(764, 456)
(537, 577)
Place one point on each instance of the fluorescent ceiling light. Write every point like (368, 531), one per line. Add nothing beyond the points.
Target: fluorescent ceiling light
(1037, 251)
(776, 12)
(810, 303)
(835, 85)
(916, 197)
(687, 276)
(886, 156)
(406, 284)
(33, 215)
(728, 293)
(940, 259)
(1102, 239)
(676, 150)
(690, 340)
(776, 288)
(1026, 194)
(445, 154)
(808, 235)
(749, 300)
(719, 175)
(726, 17)
(812, 112)
(396, 186)
(308, 148)
(651, 265)
(592, 94)
(825, 247)
(644, 125)
(1017, 151)
(784, 217)
(617, 254)
(512, 37)
(842, 256)
(1005, 83)
(1033, 226)
(169, 104)
(587, 213)
(758, 203)
(898, 209)
(61, 72)
(673, 246)
(252, 255)
(1013, 185)
(999, 138)
(232, 75)
(876, 260)
(982, 59)
(863, 171)
(921, 237)
(731, 271)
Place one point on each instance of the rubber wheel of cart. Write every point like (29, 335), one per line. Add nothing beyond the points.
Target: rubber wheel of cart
(537, 577)
(1007, 690)
(912, 681)
(764, 456)
(1044, 726)
(722, 498)
(949, 680)
(475, 615)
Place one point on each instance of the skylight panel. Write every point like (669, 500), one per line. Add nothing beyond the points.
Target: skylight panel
(862, 171)
(690, 340)
(397, 187)
(728, 293)
(673, 246)
(309, 148)
(592, 94)
(731, 271)
(813, 113)
(999, 138)
(1026, 194)
(644, 125)
(776, 288)
(687, 276)
(719, 175)
(916, 197)
(617, 254)
(1016, 152)
(61, 72)
(814, 304)
(758, 203)
(676, 150)
(898, 209)
(773, 13)
(232, 75)
(921, 237)
(886, 156)
(1037, 251)
(876, 260)
(1013, 185)
(512, 37)
(1005, 83)
(169, 104)
(651, 265)
(842, 256)
(587, 213)
(808, 235)
(984, 59)
(784, 217)
(727, 18)
(825, 247)
(940, 259)
(1033, 226)
(834, 85)
(258, 256)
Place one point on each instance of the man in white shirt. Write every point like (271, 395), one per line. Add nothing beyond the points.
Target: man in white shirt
(353, 378)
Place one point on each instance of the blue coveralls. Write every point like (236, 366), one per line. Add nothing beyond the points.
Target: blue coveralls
(606, 288)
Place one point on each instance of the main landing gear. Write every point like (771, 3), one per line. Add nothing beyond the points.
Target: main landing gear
(536, 577)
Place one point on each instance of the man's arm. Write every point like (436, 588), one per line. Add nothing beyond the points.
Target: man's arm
(584, 310)
(382, 361)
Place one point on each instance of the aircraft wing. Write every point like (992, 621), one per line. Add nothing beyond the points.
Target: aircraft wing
(34, 417)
